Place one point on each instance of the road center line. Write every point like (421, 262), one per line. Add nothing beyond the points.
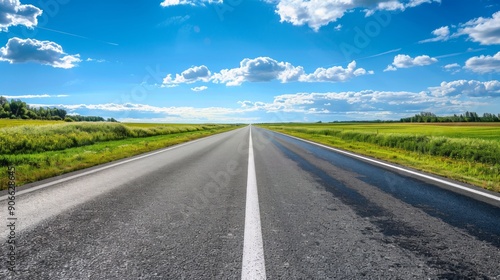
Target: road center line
(253, 249)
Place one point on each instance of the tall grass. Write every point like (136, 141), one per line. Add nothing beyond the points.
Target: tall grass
(472, 160)
(36, 139)
(475, 150)
(40, 152)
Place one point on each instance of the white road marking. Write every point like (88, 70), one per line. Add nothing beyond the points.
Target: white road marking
(253, 267)
(102, 168)
(454, 185)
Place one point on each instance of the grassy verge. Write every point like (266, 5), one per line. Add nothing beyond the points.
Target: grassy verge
(32, 167)
(473, 163)
(34, 139)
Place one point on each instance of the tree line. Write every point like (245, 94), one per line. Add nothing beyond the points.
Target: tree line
(467, 117)
(17, 109)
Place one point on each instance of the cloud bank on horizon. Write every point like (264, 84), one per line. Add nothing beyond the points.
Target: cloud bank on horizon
(294, 60)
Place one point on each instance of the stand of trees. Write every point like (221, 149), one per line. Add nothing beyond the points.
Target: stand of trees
(467, 117)
(17, 109)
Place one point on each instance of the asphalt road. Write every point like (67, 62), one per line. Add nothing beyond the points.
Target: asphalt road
(186, 213)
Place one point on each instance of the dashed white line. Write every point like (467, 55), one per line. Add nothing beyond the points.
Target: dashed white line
(253, 267)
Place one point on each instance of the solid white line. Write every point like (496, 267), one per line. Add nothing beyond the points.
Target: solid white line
(484, 194)
(253, 267)
(102, 168)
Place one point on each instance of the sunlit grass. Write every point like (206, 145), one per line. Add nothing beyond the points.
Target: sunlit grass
(40, 152)
(486, 131)
(462, 152)
(12, 123)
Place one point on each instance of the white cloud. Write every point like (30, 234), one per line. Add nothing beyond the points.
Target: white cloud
(318, 13)
(471, 88)
(44, 52)
(335, 74)
(454, 68)
(167, 3)
(484, 63)
(12, 13)
(174, 114)
(291, 73)
(191, 75)
(95, 60)
(405, 61)
(202, 88)
(441, 34)
(390, 68)
(454, 96)
(266, 69)
(485, 31)
(449, 97)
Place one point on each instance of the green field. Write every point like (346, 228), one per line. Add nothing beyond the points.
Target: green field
(12, 123)
(486, 131)
(466, 152)
(43, 149)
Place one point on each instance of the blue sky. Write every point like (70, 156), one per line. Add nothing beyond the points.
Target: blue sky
(252, 60)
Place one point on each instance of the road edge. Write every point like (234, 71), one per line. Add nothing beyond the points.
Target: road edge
(468, 190)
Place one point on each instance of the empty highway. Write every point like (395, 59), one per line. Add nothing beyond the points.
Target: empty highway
(250, 204)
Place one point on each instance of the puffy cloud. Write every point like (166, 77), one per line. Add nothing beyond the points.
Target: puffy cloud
(265, 69)
(191, 75)
(485, 31)
(12, 13)
(167, 3)
(471, 88)
(162, 114)
(390, 68)
(291, 73)
(260, 69)
(335, 74)
(484, 63)
(454, 96)
(454, 68)
(451, 66)
(405, 61)
(441, 34)
(449, 97)
(318, 13)
(202, 88)
(44, 52)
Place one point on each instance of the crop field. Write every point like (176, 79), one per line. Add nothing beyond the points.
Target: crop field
(11, 123)
(485, 131)
(466, 152)
(43, 149)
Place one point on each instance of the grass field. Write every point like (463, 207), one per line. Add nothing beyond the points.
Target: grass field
(41, 150)
(12, 123)
(485, 131)
(466, 152)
